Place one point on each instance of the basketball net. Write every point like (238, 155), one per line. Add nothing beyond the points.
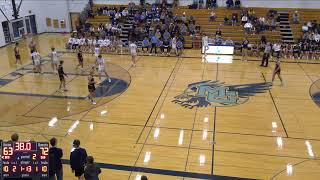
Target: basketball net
(28, 37)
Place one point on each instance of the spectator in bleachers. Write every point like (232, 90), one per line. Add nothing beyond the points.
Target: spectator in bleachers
(229, 42)
(237, 3)
(244, 19)
(229, 3)
(296, 17)
(212, 16)
(55, 164)
(273, 25)
(317, 37)
(226, 20)
(91, 171)
(192, 29)
(305, 28)
(184, 17)
(211, 4)
(248, 27)
(218, 33)
(78, 159)
(234, 19)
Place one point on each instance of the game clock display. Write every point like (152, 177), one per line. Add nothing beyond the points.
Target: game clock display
(24, 159)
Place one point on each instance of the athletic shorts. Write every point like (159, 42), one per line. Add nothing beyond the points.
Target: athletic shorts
(61, 77)
(91, 88)
(55, 62)
(101, 69)
(36, 62)
(79, 172)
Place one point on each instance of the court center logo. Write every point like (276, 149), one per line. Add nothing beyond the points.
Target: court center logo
(214, 93)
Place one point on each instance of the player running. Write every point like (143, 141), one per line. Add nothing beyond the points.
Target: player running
(277, 71)
(62, 76)
(36, 61)
(17, 54)
(133, 51)
(80, 60)
(91, 86)
(100, 62)
(54, 60)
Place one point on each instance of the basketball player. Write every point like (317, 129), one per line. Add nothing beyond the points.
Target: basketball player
(54, 60)
(97, 51)
(91, 86)
(80, 59)
(36, 61)
(133, 51)
(179, 47)
(174, 45)
(101, 67)
(245, 47)
(62, 76)
(205, 41)
(17, 54)
(277, 71)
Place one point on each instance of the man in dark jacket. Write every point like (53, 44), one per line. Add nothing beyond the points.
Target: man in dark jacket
(55, 165)
(91, 172)
(78, 159)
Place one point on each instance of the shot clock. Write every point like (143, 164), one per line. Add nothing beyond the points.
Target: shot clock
(24, 159)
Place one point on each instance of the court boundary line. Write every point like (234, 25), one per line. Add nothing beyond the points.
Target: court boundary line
(175, 69)
(155, 105)
(276, 107)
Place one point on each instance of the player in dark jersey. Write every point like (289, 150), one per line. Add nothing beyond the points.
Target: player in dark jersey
(277, 71)
(80, 59)
(62, 76)
(91, 86)
(17, 54)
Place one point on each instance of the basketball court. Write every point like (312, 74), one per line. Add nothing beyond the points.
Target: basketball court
(151, 121)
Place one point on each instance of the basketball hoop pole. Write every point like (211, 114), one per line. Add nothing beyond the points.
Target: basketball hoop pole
(15, 11)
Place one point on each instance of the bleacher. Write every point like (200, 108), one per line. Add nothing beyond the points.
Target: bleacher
(305, 16)
(236, 33)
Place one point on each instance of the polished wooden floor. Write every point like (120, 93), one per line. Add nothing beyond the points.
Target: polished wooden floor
(275, 134)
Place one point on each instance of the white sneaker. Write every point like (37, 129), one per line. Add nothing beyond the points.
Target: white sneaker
(93, 102)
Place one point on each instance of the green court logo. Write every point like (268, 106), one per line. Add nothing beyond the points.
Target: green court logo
(214, 93)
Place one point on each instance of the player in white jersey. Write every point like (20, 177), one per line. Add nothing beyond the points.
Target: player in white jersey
(71, 42)
(100, 42)
(97, 51)
(82, 42)
(76, 43)
(90, 44)
(54, 60)
(174, 45)
(100, 62)
(94, 45)
(205, 44)
(133, 51)
(119, 46)
(36, 59)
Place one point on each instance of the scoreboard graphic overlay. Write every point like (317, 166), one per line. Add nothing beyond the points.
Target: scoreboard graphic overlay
(24, 159)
